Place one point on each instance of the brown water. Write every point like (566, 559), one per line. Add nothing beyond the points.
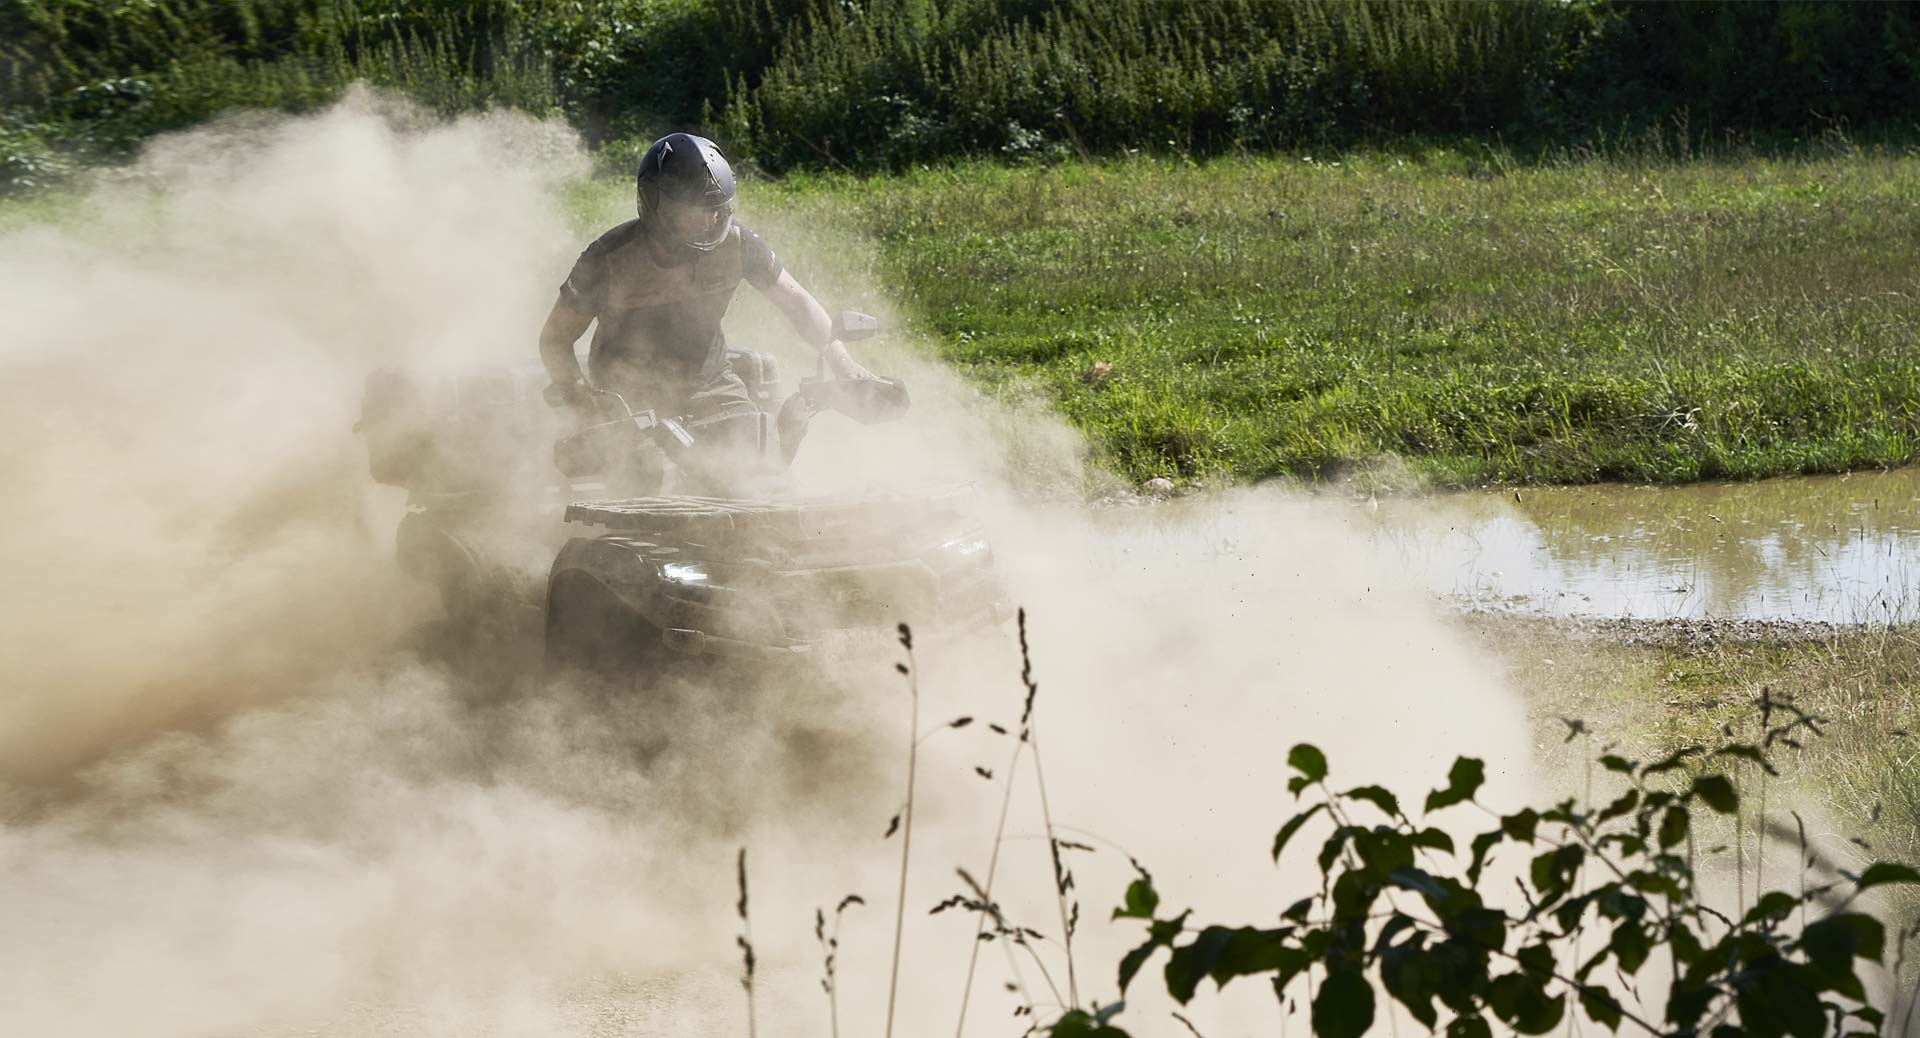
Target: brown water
(1834, 548)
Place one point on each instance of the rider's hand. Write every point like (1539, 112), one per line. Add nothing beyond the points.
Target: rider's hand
(842, 365)
(571, 395)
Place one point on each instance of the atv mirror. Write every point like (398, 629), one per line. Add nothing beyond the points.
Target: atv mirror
(852, 326)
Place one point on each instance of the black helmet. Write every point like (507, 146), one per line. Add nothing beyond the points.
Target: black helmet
(685, 190)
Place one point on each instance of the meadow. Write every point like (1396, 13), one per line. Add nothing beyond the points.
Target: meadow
(1635, 317)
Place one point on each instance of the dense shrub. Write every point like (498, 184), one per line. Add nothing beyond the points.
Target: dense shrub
(885, 83)
(898, 81)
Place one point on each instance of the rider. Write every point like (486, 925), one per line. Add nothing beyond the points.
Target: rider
(659, 285)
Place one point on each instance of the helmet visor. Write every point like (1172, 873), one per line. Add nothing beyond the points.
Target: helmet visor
(701, 226)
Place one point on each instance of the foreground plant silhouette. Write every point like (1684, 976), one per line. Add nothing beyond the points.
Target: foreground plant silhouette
(1400, 903)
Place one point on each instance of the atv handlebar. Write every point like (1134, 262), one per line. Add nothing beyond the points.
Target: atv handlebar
(865, 400)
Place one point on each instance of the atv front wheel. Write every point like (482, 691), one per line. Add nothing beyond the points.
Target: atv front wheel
(590, 628)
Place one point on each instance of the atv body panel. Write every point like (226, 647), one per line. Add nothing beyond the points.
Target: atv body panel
(769, 579)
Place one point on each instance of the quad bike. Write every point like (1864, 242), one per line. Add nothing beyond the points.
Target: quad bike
(730, 562)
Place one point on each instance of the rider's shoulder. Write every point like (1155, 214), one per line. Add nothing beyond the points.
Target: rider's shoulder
(621, 236)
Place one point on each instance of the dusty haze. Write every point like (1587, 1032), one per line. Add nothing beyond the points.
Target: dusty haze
(238, 802)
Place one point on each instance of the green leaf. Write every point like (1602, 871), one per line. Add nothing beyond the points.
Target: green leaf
(1293, 962)
(1686, 947)
(1616, 902)
(1480, 927)
(1717, 792)
(1293, 825)
(1419, 881)
(1353, 896)
(1222, 954)
(1569, 912)
(1433, 839)
(1521, 824)
(1832, 944)
(1881, 873)
(1383, 850)
(1459, 965)
(1343, 1007)
(1672, 760)
(1142, 900)
(1601, 1007)
(1630, 946)
(1481, 845)
(1687, 1002)
(1628, 845)
(1626, 802)
(1782, 999)
(1131, 962)
(1379, 797)
(1462, 783)
(1161, 934)
(1330, 851)
(1521, 1000)
(1537, 961)
(1307, 759)
(1772, 907)
(1397, 925)
(1615, 762)
(1746, 752)
(1648, 881)
(1191, 962)
(1075, 1023)
(1405, 974)
(1674, 825)
(1552, 872)
(1468, 1027)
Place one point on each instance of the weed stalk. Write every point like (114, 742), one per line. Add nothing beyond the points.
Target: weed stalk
(745, 940)
(830, 953)
(1060, 883)
(993, 867)
(906, 841)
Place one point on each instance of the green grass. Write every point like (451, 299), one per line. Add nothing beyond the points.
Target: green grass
(1485, 321)
(1650, 696)
(1446, 313)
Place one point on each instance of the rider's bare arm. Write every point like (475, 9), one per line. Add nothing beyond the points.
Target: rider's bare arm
(810, 319)
(563, 328)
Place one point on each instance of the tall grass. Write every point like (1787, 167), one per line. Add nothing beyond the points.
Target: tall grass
(890, 83)
(118, 72)
(894, 82)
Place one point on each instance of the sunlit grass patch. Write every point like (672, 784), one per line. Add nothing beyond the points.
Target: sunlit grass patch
(1553, 323)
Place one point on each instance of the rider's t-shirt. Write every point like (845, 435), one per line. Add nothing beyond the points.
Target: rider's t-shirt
(658, 324)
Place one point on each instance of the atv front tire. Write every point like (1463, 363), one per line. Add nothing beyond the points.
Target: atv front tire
(590, 628)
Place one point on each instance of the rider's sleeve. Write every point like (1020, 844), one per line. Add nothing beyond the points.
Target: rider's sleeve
(586, 287)
(758, 264)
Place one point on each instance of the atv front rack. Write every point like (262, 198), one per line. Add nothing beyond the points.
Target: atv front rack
(717, 519)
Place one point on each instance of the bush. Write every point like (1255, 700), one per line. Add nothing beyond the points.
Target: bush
(890, 83)
(27, 161)
(1395, 902)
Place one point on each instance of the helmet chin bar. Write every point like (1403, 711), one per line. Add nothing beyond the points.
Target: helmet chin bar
(697, 227)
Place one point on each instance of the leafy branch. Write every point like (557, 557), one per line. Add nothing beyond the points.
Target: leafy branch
(1400, 907)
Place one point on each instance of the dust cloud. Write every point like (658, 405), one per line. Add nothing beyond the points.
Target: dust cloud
(238, 800)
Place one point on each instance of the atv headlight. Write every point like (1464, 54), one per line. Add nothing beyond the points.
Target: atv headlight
(683, 573)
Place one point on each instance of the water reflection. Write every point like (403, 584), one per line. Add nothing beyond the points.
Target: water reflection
(1817, 548)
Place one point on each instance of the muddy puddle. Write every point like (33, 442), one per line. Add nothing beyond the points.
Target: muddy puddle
(1840, 549)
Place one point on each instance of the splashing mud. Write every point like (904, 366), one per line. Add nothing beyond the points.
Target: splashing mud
(238, 801)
